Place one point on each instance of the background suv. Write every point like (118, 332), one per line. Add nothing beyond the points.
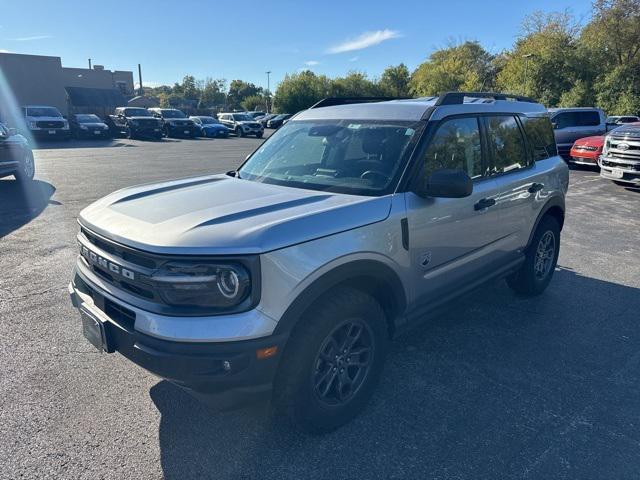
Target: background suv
(135, 122)
(570, 124)
(241, 124)
(286, 279)
(175, 123)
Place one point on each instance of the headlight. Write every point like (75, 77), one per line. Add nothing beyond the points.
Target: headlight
(202, 284)
(33, 125)
(133, 122)
(65, 125)
(84, 127)
(105, 127)
(605, 149)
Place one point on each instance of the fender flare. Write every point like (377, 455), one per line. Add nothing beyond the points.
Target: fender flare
(555, 202)
(368, 273)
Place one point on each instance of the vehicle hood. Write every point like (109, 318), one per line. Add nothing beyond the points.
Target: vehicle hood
(93, 124)
(214, 126)
(251, 123)
(595, 141)
(219, 214)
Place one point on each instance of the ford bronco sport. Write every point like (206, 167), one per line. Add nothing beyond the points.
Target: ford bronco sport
(287, 278)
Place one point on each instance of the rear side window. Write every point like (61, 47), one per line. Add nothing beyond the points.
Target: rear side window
(540, 136)
(506, 142)
(589, 118)
(456, 145)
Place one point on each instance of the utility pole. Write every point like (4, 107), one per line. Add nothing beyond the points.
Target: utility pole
(526, 71)
(140, 90)
(89, 64)
(268, 72)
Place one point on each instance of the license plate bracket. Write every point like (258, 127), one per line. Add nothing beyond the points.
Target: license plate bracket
(617, 173)
(94, 331)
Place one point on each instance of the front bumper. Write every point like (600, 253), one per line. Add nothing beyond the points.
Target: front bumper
(182, 131)
(225, 375)
(44, 133)
(217, 133)
(578, 159)
(619, 170)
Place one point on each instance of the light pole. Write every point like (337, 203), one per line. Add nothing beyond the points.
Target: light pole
(268, 72)
(526, 71)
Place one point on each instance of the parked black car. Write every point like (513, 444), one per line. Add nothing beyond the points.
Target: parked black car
(263, 120)
(175, 123)
(84, 125)
(276, 122)
(135, 122)
(16, 157)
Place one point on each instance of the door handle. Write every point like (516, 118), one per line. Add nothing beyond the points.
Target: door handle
(535, 187)
(484, 203)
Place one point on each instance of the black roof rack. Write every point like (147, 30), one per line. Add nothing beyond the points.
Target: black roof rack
(331, 101)
(457, 98)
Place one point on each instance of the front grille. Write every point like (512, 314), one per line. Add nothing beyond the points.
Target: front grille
(117, 250)
(49, 124)
(624, 166)
(148, 123)
(586, 148)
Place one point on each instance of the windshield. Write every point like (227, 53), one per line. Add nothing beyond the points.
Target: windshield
(137, 112)
(84, 118)
(43, 112)
(209, 120)
(242, 117)
(359, 157)
(173, 114)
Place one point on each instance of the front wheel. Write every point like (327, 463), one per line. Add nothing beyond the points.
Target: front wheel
(239, 132)
(540, 260)
(258, 135)
(27, 168)
(332, 362)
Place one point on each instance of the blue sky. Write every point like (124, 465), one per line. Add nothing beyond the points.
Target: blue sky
(220, 40)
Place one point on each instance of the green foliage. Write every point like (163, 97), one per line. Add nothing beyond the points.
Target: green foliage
(394, 81)
(458, 67)
(240, 90)
(254, 102)
(301, 90)
(354, 84)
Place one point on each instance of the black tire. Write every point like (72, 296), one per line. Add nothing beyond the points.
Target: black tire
(127, 133)
(540, 262)
(239, 133)
(305, 371)
(258, 135)
(27, 169)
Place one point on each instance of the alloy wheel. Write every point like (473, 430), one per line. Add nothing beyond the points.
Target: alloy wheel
(545, 254)
(343, 362)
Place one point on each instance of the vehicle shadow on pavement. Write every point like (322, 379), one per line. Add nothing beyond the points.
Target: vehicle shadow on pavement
(82, 143)
(22, 202)
(496, 386)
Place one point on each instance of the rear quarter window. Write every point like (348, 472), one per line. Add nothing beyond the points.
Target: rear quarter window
(540, 137)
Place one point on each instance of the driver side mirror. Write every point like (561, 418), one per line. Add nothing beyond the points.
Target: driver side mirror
(445, 183)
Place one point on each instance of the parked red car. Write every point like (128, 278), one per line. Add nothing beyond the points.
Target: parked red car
(586, 151)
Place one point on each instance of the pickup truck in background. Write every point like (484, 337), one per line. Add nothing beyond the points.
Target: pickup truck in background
(134, 122)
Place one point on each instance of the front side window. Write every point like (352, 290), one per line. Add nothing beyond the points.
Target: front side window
(506, 142)
(358, 157)
(456, 145)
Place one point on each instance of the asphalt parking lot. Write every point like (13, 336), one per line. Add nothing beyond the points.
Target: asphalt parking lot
(494, 387)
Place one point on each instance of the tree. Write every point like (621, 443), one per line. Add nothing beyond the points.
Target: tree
(239, 90)
(354, 84)
(458, 67)
(254, 102)
(212, 93)
(394, 81)
(545, 62)
(299, 91)
(189, 88)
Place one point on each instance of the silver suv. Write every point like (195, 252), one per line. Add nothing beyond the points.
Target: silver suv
(286, 279)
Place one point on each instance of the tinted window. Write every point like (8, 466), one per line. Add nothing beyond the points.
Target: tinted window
(577, 119)
(456, 145)
(507, 144)
(540, 136)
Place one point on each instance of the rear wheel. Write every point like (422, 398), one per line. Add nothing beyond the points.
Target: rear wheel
(332, 362)
(540, 260)
(27, 168)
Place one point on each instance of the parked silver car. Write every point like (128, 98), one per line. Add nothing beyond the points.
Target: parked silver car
(620, 159)
(286, 279)
(570, 124)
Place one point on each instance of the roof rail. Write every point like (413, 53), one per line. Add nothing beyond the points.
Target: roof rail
(331, 101)
(457, 98)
